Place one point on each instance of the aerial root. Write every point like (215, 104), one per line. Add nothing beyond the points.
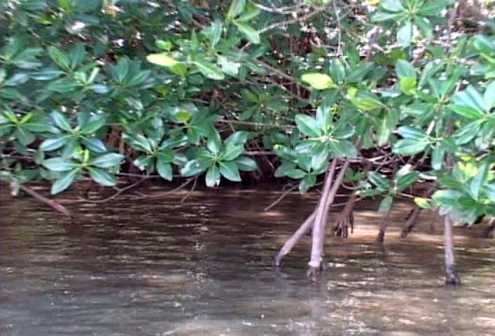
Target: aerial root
(345, 219)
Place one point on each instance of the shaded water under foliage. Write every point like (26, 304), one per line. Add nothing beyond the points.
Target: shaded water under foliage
(158, 267)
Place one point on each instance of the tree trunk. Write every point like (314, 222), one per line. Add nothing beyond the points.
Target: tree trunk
(318, 235)
(451, 277)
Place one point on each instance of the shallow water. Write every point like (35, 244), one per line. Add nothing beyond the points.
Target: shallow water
(203, 267)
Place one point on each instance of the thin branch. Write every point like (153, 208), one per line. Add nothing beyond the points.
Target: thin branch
(281, 197)
(51, 203)
(291, 21)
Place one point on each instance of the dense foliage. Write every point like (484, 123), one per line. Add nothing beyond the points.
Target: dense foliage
(97, 88)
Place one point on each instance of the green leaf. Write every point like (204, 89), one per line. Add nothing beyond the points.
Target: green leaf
(53, 144)
(423, 203)
(412, 133)
(214, 143)
(405, 34)
(209, 70)
(102, 177)
(306, 183)
(408, 85)
(468, 132)
(94, 124)
(392, 5)
(59, 57)
(236, 8)
(319, 158)
(229, 67)
(107, 160)
(381, 16)
(59, 164)
(94, 145)
(230, 171)
(212, 177)
(404, 181)
(294, 173)
(433, 8)
(64, 181)
(405, 69)
(251, 34)
(307, 125)
(489, 96)
(469, 103)
(214, 32)
(246, 164)
(447, 197)
(437, 157)
(193, 168)
(380, 181)
(367, 102)
(318, 81)
(386, 205)
(61, 121)
(162, 59)
(479, 180)
(410, 147)
(164, 168)
(231, 152)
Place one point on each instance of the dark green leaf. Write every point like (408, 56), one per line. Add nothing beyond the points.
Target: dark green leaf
(386, 205)
(212, 177)
(307, 125)
(61, 121)
(409, 146)
(209, 70)
(53, 144)
(59, 164)
(102, 177)
(251, 34)
(246, 164)
(107, 160)
(164, 168)
(230, 171)
(64, 181)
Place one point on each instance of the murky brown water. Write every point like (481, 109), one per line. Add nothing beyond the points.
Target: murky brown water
(159, 267)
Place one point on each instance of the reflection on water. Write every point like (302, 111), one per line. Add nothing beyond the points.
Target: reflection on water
(204, 268)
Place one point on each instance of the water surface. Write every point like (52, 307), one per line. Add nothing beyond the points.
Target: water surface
(204, 267)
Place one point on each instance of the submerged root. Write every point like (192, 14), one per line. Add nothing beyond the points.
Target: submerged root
(314, 273)
(451, 277)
